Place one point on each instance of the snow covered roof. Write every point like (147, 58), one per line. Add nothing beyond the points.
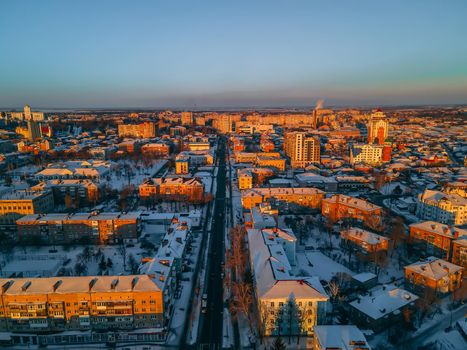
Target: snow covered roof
(383, 301)
(77, 284)
(434, 268)
(276, 191)
(430, 196)
(352, 202)
(364, 235)
(272, 271)
(440, 229)
(341, 337)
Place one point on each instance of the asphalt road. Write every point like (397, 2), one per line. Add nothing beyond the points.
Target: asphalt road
(211, 333)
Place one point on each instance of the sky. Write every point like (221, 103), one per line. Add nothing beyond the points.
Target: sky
(200, 53)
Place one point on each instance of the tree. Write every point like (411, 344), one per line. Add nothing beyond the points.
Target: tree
(266, 322)
(243, 299)
(80, 268)
(334, 291)
(305, 313)
(110, 263)
(133, 264)
(278, 344)
(397, 231)
(102, 264)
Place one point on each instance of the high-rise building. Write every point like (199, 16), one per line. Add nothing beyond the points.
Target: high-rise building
(378, 128)
(302, 149)
(34, 130)
(186, 118)
(143, 130)
(27, 112)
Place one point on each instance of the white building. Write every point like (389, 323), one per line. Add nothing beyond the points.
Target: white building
(366, 154)
(287, 304)
(446, 208)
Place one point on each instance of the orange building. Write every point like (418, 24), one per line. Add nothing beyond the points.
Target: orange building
(40, 305)
(366, 241)
(157, 149)
(338, 207)
(143, 130)
(436, 237)
(459, 252)
(173, 188)
(436, 274)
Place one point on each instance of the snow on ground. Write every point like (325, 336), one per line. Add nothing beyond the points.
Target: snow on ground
(70, 255)
(442, 340)
(118, 176)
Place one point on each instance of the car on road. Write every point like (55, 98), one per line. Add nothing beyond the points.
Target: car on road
(204, 303)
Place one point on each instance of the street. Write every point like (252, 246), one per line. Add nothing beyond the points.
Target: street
(211, 331)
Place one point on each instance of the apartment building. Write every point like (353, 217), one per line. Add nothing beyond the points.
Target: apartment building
(378, 128)
(186, 118)
(436, 274)
(436, 238)
(365, 241)
(338, 207)
(439, 206)
(156, 148)
(80, 192)
(142, 130)
(459, 252)
(173, 188)
(166, 267)
(304, 196)
(279, 293)
(370, 154)
(382, 308)
(94, 228)
(302, 149)
(250, 177)
(187, 160)
(16, 203)
(38, 305)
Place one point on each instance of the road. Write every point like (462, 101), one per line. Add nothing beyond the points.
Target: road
(419, 339)
(211, 331)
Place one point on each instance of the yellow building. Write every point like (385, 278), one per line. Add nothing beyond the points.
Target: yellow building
(16, 203)
(182, 166)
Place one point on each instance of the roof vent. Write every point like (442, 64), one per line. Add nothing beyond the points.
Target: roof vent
(57, 284)
(25, 286)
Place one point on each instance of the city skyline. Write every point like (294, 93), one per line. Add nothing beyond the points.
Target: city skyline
(238, 55)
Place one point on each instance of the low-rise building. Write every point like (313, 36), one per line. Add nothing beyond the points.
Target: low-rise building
(173, 188)
(436, 274)
(436, 238)
(365, 241)
(381, 308)
(79, 228)
(338, 207)
(459, 252)
(339, 337)
(16, 203)
(279, 293)
(304, 196)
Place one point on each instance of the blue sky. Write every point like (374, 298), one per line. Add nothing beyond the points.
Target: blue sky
(232, 53)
